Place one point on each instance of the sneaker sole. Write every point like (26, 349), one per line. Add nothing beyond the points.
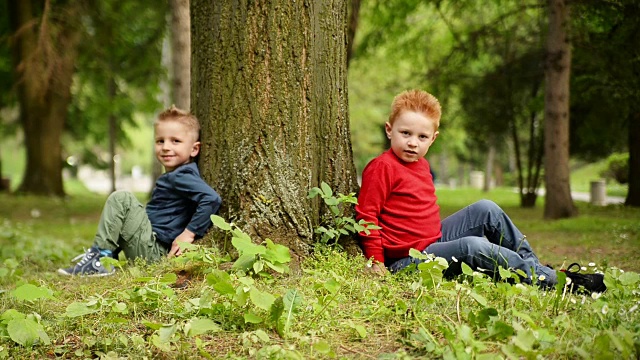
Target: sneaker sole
(63, 272)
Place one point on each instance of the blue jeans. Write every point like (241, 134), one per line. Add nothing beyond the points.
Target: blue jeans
(482, 236)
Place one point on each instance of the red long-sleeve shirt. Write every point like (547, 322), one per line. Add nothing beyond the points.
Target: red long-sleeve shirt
(400, 198)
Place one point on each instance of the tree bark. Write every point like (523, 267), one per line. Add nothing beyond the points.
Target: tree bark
(488, 171)
(269, 82)
(181, 53)
(558, 201)
(44, 56)
(354, 17)
(633, 194)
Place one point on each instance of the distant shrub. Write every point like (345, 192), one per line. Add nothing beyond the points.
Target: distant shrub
(617, 168)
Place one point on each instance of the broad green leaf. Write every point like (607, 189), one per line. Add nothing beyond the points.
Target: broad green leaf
(258, 266)
(119, 307)
(11, 314)
(76, 309)
(326, 189)
(331, 285)
(277, 253)
(504, 273)
(525, 340)
(276, 310)
(280, 268)
(244, 262)
(252, 318)
(500, 330)
(199, 326)
(315, 191)
(485, 315)
(331, 201)
(523, 316)
(241, 297)
(26, 332)
(322, 347)
(240, 234)
(168, 278)
(166, 332)
(218, 276)
(263, 336)
(263, 300)
(466, 269)
(479, 298)
(417, 254)
(629, 278)
(152, 325)
(246, 247)
(362, 332)
(220, 281)
(220, 223)
(30, 292)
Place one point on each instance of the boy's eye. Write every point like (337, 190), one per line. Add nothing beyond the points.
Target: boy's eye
(404, 132)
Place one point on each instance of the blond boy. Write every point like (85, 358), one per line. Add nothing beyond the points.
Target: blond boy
(179, 210)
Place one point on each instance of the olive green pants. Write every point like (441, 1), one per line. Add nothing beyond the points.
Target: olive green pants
(124, 225)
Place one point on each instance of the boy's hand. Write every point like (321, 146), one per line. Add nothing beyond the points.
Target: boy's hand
(186, 237)
(376, 268)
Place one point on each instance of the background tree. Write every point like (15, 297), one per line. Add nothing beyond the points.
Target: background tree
(180, 53)
(45, 39)
(270, 89)
(177, 51)
(558, 201)
(119, 70)
(607, 79)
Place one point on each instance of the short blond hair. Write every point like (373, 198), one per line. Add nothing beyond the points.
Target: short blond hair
(418, 101)
(184, 117)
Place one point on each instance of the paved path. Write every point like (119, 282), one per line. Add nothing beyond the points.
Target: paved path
(586, 197)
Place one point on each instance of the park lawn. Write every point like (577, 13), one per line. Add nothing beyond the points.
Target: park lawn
(336, 309)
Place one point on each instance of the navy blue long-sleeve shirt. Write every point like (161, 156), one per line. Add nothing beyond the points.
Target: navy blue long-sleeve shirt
(181, 200)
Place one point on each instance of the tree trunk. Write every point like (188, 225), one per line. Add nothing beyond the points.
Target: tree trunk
(113, 133)
(354, 17)
(44, 55)
(488, 171)
(181, 53)
(558, 201)
(269, 82)
(633, 195)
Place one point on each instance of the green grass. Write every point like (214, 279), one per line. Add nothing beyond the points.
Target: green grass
(341, 311)
(583, 174)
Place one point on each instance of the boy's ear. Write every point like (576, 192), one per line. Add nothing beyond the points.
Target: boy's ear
(196, 149)
(387, 129)
(435, 135)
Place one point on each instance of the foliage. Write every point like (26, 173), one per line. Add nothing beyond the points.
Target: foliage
(337, 224)
(119, 73)
(617, 168)
(328, 307)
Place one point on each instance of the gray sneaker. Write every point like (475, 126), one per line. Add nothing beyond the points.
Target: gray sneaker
(89, 265)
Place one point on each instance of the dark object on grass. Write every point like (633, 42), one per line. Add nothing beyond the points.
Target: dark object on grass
(584, 283)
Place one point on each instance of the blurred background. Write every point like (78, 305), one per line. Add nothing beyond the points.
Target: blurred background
(95, 74)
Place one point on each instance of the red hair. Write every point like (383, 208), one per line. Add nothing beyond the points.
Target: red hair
(417, 101)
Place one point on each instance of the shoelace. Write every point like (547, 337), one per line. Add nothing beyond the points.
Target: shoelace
(86, 257)
(79, 256)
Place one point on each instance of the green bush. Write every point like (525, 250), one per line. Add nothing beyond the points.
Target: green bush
(617, 168)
